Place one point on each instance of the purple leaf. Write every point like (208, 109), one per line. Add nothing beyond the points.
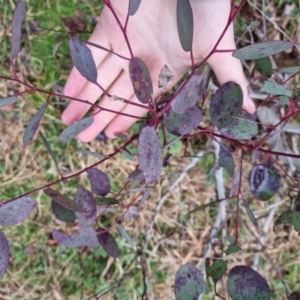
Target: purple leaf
(244, 127)
(133, 6)
(33, 125)
(260, 50)
(4, 254)
(136, 177)
(190, 94)
(226, 104)
(62, 213)
(245, 283)
(189, 283)
(73, 130)
(63, 200)
(180, 124)
(108, 242)
(16, 211)
(100, 184)
(82, 58)
(226, 160)
(185, 24)
(150, 154)
(165, 76)
(86, 200)
(86, 237)
(8, 101)
(18, 17)
(264, 181)
(141, 80)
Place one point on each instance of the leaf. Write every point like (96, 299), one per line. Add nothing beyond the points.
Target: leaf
(86, 237)
(274, 88)
(86, 200)
(244, 127)
(294, 296)
(260, 50)
(264, 66)
(243, 283)
(125, 235)
(8, 101)
(74, 24)
(190, 94)
(63, 200)
(226, 160)
(136, 177)
(150, 154)
(290, 70)
(97, 155)
(133, 6)
(289, 218)
(48, 147)
(106, 201)
(82, 59)
(145, 197)
(17, 19)
(62, 213)
(201, 207)
(127, 154)
(141, 80)
(4, 254)
(180, 124)
(73, 130)
(217, 269)
(189, 283)
(264, 181)
(185, 24)
(33, 125)
(16, 211)
(99, 181)
(108, 242)
(250, 213)
(165, 76)
(233, 248)
(226, 104)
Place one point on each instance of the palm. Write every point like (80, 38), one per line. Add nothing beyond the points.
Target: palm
(153, 37)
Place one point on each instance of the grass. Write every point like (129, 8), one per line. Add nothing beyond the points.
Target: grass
(41, 269)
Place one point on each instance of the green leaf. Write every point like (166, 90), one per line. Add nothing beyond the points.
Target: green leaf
(8, 101)
(226, 104)
(97, 155)
(106, 201)
(217, 269)
(289, 218)
(62, 213)
(185, 24)
(233, 248)
(274, 88)
(264, 66)
(261, 50)
(189, 283)
(125, 235)
(226, 160)
(73, 130)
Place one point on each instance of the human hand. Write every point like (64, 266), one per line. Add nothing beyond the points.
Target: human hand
(153, 36)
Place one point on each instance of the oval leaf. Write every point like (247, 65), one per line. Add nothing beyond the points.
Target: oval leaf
(86, 200)
(260, 50)
(274, 88)
(226, 104)
(8, 101)
(189, 283)
(4, 254)
(289, 218)
(165, 76)
(62, 213)
(108, 242)
(18, 17)
(264, 181)
(73, 130)
(150, 154)
(16, 211)
(99, 181)
(63, 200)
(180, 124)
(243, 283)
(82, 59)
(226, 160)
(264, 66)
(141, 80)
(33, 125)
(244, 127)
(190, 94)
(185, 24)
(217, 269)
(133, 6)
(86, 237)
(232, 248)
